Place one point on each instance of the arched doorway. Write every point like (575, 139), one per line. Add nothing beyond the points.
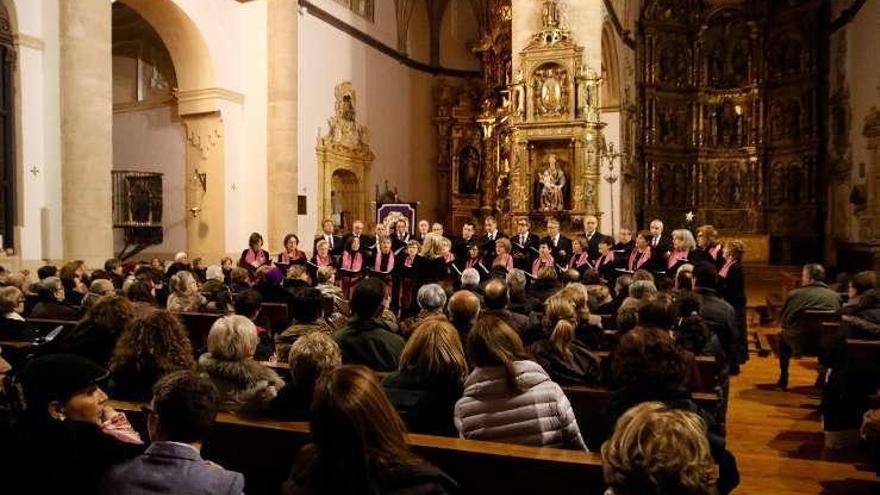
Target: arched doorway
(344, 194)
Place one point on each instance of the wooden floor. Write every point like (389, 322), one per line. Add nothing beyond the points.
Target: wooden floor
(777, 437)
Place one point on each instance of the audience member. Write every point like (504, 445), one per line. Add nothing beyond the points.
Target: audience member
(718, 314)
(508, 398)
(51, 304)
(310, 357)
(357, 432)
(142, 293)
(69, 436)
(431, 299)
(495, 301)
(238, 280)
(307, 312)
(243, 383)
(72, 277)
(565, 359)
(100, 287)
(185, 296)
(179, 417)
(659, 450)
(463, 310)
(367, 340)
(429, 379)
(546, 284)
(249, 304)
(215, 290)
(94, 337)
(13, 327)
(520, 301)
(152, 345)
(470, 281)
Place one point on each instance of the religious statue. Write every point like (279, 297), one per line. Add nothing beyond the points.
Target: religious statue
(468, 170)
(553, 183)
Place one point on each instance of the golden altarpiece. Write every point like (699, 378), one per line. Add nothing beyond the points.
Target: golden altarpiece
(525, 145)
(344, 162)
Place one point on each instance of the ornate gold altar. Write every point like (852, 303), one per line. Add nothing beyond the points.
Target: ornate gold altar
(554, 126)
(497, 137)
(344, 162)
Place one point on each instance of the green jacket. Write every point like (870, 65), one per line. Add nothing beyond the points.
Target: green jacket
(813, 296)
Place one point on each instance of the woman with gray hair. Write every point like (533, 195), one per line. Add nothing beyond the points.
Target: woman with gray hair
(683, 248)
(431, 299)
(12, 324)
(310, 357)
(243, 383)
(214, 289)
(185, 294)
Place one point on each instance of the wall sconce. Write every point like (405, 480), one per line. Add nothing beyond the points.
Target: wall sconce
(201, 178)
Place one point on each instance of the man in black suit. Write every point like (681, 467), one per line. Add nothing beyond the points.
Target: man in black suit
(592, 234)
(460, 248)
(661, 243)
(525, 245)
(399, 237)
(357, 231)
(559, 245)
(335, 241)
(487, 240)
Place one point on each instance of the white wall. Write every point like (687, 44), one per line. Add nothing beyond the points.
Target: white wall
(154, 140)
(393, 101)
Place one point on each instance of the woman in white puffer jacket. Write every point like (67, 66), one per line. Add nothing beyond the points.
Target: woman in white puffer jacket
(508, 398)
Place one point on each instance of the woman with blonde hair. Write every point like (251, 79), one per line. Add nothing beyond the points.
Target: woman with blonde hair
(709, 244)
(563, 357)
(230, 364)
(433, 267)
(589, 326)
(430, 378)
(510, 398)
(185, 295)
(656, 449)
(683, 246)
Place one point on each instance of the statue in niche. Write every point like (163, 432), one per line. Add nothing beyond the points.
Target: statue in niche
(552, 186)
(727, 122)
(468, 170)
(728, 183)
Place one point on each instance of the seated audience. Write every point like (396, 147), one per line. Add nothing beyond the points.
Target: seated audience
(813, 294)
(356, 431)
(249, 304)
(659, 450)
(238, 280)
(214, 289)
(327, 285)
(546, 284)
(69, 436)
(243, 383)
(310, 357)
(185, 296)
(100, 287)
(51, 303)
(152, 345)
(269, 286)
(589, 327)
(565, 359)
(73, 277)
(431, 299)
(179, 417)
(307, 318)
(430, 378)
(462, 311)
(94, 337)
(508, 398)
(470, 281)
(297, 277)
(13, 327)
(495, 301)
(142, 293)
(599, 296)
(368, 340)
(640, 292)
(648, 367)
(520, 300)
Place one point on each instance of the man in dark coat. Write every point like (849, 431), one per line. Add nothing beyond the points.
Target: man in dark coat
(525, 245)
(487, 240)
(592, 235)
(368, 340)
(559, 245)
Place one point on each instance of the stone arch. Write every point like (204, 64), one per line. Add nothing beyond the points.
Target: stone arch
(610, 89)
(193, 64)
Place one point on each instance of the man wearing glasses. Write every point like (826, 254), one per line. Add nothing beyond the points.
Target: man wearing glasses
(525, 245)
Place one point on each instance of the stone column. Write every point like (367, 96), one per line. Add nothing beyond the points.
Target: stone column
(86, 130)
(206, 204)
(282, 115)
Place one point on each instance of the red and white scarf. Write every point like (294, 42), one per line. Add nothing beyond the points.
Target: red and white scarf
(637, 259)
(675, 256)
(578, 260)
(377, 265)
(353, 262)
(726, 268)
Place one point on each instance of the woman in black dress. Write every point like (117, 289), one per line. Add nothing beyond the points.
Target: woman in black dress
(731, 281)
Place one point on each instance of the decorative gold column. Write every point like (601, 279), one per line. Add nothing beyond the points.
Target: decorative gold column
(206, 215)
(86, 130)
(282, 116)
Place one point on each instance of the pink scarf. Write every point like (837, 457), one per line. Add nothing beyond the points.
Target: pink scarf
(578, 260)
(636, 259)
(255, 259)
(606, 258)
(471, 262)
(353, 263)
(713, 252)
(541, 263)
(506, 261)
(377, 266)
(449, 257)
(323, 260)
(286, 258)
(408, 262)
(675, 256)
(726, 268)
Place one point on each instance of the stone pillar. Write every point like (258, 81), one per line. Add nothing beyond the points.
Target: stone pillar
(282, 116)
(86, 130)
(206, 205)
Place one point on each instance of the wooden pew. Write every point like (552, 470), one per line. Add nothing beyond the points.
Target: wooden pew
(863, 356)
(45, 325)
(274, 316)
(811, 323)
(705, 364)
(264, 451)
(198, 325)
(590, 404)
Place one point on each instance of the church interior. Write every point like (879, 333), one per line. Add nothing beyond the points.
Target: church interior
(591, 144)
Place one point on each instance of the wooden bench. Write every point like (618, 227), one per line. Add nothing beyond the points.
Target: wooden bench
(274, 317)
(591, 403)
(264, 451)
(812, 326)
(706, 365)
(863, 356)
(46, 325)
(198, 325)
